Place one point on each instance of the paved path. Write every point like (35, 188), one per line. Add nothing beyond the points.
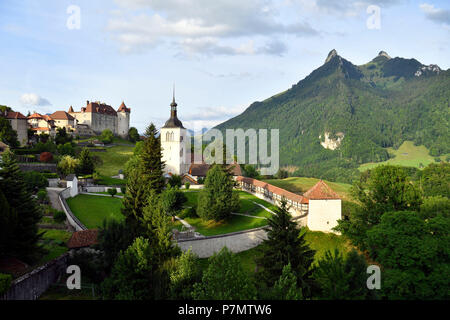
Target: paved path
(265, 208)
(247, 215)
(53, 197)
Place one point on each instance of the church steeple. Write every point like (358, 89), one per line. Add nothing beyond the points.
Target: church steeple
(173, 121)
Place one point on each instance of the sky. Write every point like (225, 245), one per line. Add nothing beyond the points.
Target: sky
(220, 55)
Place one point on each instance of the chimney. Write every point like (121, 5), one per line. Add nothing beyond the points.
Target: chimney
(87, 102)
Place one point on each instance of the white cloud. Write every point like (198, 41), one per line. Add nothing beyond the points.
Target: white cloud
(436, 14)
(203, 26)
(32, 99)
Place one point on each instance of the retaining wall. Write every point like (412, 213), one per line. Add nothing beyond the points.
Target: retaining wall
(73, 221)
(237, 241)
(33, 284)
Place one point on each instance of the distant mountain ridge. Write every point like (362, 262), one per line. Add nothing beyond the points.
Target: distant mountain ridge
(369, 107)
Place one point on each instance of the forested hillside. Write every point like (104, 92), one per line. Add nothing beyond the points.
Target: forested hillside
(374, 106)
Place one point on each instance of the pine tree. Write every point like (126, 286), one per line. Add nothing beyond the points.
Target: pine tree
(285, 287)
(8, 224)
(151, 160)
(217, 200)
(285, 245)
(86, 162)
(135, 198)
(19, 198)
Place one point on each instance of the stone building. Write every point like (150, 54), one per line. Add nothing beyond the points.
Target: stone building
(19, 123)
(99, 116)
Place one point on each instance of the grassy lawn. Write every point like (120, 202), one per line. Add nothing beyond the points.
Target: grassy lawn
(301, 184)
(92, 210)
(407, 155)
(114, 159)
(235, 223)
(55, 242)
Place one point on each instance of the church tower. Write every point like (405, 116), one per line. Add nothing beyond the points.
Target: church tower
(174, 143)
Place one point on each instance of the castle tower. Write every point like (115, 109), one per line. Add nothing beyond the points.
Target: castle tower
(174, 143)
(123, 120)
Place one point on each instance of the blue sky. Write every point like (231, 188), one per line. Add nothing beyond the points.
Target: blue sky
(222, 55)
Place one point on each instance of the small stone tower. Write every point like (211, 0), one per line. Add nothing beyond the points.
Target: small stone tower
(174, 143)
(123, 120)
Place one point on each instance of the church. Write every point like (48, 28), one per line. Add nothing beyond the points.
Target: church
(176, 150)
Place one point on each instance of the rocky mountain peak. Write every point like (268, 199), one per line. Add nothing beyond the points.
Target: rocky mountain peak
(384, 54)
(331, 55)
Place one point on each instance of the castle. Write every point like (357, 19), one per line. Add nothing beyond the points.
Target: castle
(91, 120)
(98, 116)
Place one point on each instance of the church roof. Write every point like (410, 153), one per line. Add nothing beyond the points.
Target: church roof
(321, 191)
(173, 121)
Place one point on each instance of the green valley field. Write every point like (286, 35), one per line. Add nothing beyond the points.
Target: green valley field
(407, 155)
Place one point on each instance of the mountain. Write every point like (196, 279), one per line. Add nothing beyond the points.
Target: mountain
(342, 115)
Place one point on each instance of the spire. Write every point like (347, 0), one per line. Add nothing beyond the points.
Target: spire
(173, 104)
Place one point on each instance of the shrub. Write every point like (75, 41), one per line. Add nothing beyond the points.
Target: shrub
(187, 185)
(189, 213)
(112, 191)
(59, 216)
(107, 136)
(42, 196)
(123, 189)
(46, 157)
(174, 181)
(5, 282)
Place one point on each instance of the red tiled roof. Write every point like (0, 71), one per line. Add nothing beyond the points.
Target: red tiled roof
(47, 118)
(35, 116)
(61, 115)
(276, 190)
(15, 115)
(98, 107)
(12, 265)
(123, 107)
(81, 239)
(321, 191)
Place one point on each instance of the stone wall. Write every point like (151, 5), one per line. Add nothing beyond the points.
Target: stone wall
(73, 221)
(237, 241)
(39, 167)
(33, 284)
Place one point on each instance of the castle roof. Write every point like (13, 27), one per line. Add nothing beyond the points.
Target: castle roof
(123, 107)
(321, 191)
(70, 109)
(97, 107)
(61, 115)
